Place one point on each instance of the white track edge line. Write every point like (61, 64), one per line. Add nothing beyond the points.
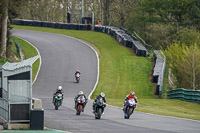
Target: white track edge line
(39, 57)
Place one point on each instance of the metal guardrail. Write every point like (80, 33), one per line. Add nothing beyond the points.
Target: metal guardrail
(158, 71)
(18, 48)
(184, 94)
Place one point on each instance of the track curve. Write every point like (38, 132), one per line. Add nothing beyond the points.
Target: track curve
(61, 56)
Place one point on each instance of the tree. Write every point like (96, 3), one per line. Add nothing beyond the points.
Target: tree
(184, 62)
(189, 67)
(4, 19)
(65, 10)
(106, 11)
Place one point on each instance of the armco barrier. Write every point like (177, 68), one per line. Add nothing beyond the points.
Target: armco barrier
(158, 71)
(184, 94)
(18, 48)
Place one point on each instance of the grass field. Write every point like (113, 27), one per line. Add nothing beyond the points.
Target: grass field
(122, 72)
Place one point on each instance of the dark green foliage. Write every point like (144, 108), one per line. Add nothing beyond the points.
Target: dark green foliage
(189, 36)
(161, 22)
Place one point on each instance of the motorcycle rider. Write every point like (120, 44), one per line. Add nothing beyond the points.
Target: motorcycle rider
(58, 90)
(75, 99)
(128, 97)
(77, 75)
(101, 95)
(77, 72)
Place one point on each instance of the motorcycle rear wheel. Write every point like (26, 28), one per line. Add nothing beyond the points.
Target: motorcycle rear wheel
(79, 110)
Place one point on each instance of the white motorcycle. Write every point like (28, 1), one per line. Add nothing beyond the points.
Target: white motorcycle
(129, 108)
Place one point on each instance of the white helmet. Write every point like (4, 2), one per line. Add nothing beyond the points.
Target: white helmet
(102, 94)
(80, 92)
(59, 88)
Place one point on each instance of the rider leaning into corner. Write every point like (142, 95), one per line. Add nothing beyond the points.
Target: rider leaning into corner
(130, 96)
(75, 99)
(101, 95)
(58, 90)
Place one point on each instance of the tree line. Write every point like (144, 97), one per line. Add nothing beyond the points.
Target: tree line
(172, 25)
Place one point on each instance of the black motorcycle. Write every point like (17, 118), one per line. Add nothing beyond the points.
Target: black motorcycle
(99, 108)
(81, 101)
(77, 76)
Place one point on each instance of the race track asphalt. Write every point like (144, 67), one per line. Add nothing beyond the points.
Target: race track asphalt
(61, 56)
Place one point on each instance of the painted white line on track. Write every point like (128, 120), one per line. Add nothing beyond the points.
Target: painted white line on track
(57, 130)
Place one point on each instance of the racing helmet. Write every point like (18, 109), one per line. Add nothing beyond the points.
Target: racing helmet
(59, 88)
(102, 94)
(132, 94)
(77, 70)
(80, 92)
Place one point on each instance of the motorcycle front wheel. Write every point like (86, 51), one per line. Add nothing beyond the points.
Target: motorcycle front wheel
(57, 104)
(98, 113)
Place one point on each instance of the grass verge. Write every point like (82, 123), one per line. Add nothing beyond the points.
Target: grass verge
(122, 72)
(29, 51)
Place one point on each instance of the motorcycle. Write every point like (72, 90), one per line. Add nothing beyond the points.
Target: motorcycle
(80, 104)
(77, 76)
(99, 108)
(129, 108)
(58, 100)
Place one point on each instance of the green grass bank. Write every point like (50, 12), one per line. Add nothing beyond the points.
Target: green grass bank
(29, 51)
(122, 72)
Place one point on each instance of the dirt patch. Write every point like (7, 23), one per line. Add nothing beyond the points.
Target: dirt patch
(22, 56)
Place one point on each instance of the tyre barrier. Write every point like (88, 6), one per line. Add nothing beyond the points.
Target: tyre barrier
(69, 26)
(123, 37)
